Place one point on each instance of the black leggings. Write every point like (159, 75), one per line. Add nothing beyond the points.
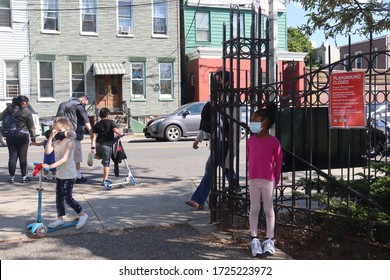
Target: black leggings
(17, 148)
(64, 190)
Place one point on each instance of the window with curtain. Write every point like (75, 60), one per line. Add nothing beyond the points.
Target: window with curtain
(78, 79)
(166, 80)
(160, 8)
(50, 15)
(46, 80)
(202, 27)
(12, 79)
(5, 13)
(88, 15)
(125, 19)
(137, 71)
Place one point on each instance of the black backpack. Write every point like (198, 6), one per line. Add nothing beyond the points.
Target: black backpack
(205, 121)
(9, 127)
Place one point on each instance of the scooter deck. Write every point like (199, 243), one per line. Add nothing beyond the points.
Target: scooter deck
(65, 225)
(128, 181)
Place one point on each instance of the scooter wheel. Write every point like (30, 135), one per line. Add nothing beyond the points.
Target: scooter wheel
(133, 181)
(27, 229)
(41, 231)
(107, 186)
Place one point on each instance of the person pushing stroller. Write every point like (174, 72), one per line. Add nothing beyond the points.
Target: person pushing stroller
(102, 139)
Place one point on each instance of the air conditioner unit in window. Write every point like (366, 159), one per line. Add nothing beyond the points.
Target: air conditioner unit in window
(125, 29)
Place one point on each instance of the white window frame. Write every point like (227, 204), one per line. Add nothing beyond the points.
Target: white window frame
(133, 96)
(156, 4)
(161, 95)
(7, 27)
(6, 89)
(71, 79)
(93, 13)
(199, 28)
(242, 24)
(40, 98)
(51, 8)
(358, 59)
(125, 30)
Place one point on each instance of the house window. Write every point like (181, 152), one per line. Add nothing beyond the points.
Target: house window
(358, 60)
(375, 58)
(50, 15)
(166, 80)
(46, 80)
(12, 79)
(346, 62)
(78, 79)
(242, 30)
(5, 13)
(202, 27)
(125, 19)
(160, 8)
(137, 71)
(88, 16)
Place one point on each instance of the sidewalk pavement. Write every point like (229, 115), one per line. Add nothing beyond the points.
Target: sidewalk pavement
(123, 207)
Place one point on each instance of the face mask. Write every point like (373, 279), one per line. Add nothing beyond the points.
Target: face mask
(255, 127)
(60, 136)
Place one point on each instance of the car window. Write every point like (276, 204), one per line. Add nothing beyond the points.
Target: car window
(196, 109)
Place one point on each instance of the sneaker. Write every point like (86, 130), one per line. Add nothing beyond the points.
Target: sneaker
(82, 220)
(81, 180)
(90, 159)
(11, 179)
(25, 179)
(56, 223)
(256, 247)
(269, 247)
(45, 179)
(106, 182)
(54, 178)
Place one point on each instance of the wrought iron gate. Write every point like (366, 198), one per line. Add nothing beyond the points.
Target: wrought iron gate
(329, 175)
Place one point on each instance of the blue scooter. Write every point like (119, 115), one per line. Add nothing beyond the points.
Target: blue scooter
(37, 229)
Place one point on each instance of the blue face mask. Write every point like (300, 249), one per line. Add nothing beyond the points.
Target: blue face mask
(255, 127)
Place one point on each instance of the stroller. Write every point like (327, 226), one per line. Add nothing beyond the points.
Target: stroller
(118, 155)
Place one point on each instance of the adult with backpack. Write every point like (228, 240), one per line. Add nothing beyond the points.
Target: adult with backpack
(201, 193)
(74, 110)
(18, 128)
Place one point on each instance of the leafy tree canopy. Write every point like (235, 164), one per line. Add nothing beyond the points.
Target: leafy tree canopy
(344, 17)
(299, 42)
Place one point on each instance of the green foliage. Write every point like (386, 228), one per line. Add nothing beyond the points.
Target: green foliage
(298, 42)
(344, 17)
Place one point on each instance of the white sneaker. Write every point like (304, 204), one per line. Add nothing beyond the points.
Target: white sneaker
(269, 247)
(256, 247)
(90, 159)
(56, 223)
(82, 220)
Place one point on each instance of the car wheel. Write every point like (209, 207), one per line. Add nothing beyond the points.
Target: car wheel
(2, 140)
(172, 133)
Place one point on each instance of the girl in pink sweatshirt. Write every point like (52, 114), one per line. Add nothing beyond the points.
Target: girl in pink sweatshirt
(264, 156)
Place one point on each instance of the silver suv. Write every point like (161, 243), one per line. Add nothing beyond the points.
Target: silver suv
(182, 122)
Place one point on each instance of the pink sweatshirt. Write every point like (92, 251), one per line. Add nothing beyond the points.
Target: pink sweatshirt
(264, 158)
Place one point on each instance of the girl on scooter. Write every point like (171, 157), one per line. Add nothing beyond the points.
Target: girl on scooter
(61, 141)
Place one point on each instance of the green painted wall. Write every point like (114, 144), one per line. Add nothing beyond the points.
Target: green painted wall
(217, 18)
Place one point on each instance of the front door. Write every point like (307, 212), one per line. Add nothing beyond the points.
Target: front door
(109, 92)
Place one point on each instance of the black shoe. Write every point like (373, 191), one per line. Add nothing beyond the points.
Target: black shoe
(81, 180)
(25, 179)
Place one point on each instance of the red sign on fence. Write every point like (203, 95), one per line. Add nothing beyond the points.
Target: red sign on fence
(346, 103)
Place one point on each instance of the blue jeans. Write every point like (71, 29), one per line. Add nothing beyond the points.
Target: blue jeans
(203, 190)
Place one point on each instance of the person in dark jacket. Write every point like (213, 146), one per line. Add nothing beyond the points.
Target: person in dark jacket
(74, 110)
(19, 143)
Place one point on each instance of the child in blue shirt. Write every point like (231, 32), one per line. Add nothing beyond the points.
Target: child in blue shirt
(48, 159)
